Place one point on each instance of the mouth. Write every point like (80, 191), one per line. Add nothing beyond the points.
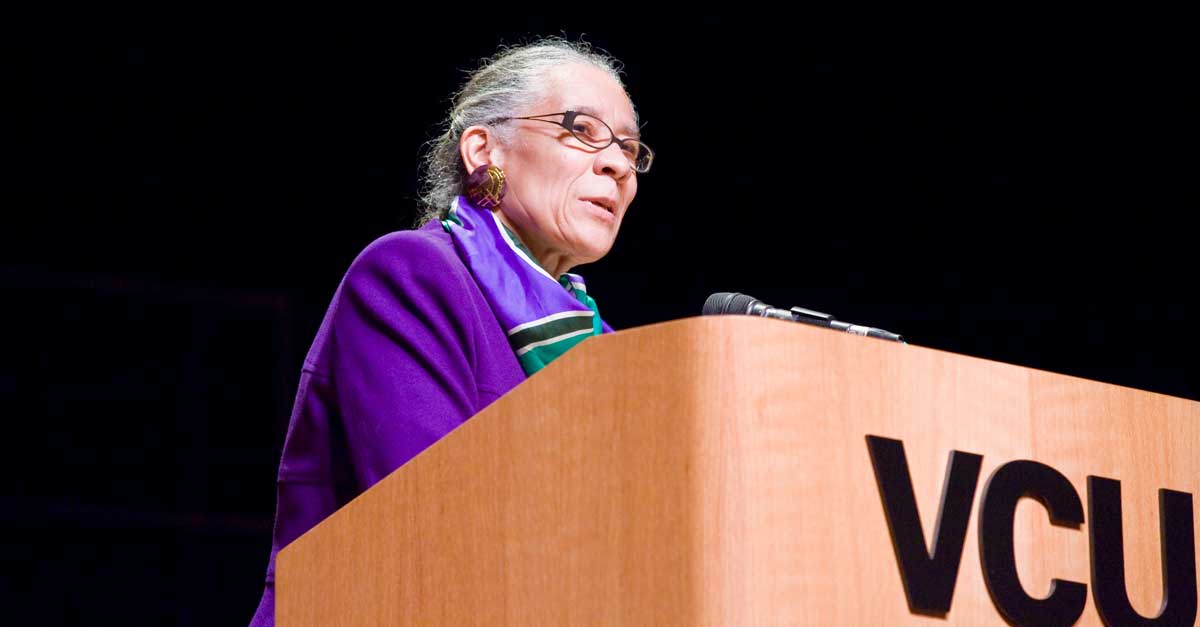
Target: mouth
(605, 204)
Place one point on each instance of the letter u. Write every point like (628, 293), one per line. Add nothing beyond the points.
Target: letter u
(1178, 542)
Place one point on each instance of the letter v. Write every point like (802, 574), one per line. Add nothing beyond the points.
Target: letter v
(928, 576)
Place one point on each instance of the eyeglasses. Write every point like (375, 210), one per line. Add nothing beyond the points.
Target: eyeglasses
(594, 133)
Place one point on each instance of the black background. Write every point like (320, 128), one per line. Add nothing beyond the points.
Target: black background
(184, 192)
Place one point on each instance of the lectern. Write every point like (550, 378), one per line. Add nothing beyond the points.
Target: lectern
(741, 471)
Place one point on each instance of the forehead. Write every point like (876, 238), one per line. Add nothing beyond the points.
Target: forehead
(591, 90)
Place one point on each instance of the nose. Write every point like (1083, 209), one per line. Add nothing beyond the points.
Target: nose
(612, 162)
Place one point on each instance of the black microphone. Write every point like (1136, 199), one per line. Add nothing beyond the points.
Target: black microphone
(725, 303)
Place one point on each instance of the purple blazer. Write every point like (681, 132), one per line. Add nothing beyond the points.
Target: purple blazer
(408, 350)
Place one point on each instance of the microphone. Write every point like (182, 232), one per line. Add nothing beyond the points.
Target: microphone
(726, 303)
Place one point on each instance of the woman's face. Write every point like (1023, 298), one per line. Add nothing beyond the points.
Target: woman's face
(566, 200)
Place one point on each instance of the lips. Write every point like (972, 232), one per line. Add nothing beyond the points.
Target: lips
(606, 204)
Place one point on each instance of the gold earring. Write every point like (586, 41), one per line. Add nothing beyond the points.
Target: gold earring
(486, 186)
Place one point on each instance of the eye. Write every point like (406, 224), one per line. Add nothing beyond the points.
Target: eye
(588, 129)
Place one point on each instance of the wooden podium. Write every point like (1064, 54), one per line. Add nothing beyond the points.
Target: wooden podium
(717, 471)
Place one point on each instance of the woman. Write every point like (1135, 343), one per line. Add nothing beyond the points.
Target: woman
(535, 170)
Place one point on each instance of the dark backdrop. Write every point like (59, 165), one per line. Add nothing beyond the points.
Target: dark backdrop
(184, 193)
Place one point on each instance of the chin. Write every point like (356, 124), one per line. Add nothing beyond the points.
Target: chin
(592, 252)
(594, 242)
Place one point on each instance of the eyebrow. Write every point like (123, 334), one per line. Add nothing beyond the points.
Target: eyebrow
(629, 132)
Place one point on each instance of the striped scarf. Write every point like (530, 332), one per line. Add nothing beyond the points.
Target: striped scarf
(543, 317)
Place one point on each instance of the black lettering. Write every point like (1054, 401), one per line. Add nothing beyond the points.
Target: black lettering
(928, 576)
(1007, 485)
(1178, 545)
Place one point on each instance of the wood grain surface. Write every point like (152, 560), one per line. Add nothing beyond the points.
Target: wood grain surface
(714, 471)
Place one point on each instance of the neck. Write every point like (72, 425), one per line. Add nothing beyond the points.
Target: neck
(554, 262)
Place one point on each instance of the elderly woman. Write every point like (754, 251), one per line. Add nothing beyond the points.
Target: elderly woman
(535, 170)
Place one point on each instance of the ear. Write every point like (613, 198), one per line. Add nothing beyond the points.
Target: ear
(479, 146)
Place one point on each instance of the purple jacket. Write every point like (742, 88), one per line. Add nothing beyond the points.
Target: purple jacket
(408, 350)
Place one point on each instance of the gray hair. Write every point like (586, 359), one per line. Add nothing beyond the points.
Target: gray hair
(504, 85)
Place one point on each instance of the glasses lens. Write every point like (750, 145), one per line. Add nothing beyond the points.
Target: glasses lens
(595, 133)
(640, 155)
(591, 131)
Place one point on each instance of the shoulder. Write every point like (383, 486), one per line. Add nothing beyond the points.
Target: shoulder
(408, 251)
(415, 262)
(401, 284)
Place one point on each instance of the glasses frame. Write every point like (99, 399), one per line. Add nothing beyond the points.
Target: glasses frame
(567, 122)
